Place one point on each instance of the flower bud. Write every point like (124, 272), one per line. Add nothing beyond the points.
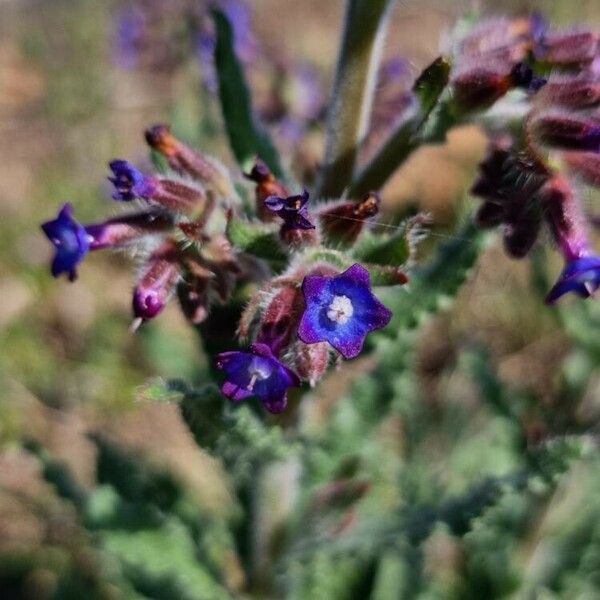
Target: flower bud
(567, 49)
(565, 217)
(266, 185)
(169, 194)
(280, 318)
(156, 284)
(187, 161)
(310, 360)
(343, 223)
(570, 92)
(568, 132)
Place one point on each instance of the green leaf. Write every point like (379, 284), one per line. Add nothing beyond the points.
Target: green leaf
(431, 83)
(246, 137)
(257, 239)
(393, 250)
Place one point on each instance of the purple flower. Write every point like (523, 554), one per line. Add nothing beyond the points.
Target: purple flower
(130, 183)
(256, 373)
(580, 275)
(341, 310)
(71, 240)
(292, 210)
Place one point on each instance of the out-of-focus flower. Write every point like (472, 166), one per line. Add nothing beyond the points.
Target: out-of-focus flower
(256, 373)
(568, 131)
(341, 310)
(71, 241)
(580, 276)
(570, 48)
(509, 184)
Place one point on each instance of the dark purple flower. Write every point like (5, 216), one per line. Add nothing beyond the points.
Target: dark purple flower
(581, 276)
(292, 210)
(256, 373)
(130, 183)
(71, 240)
(341, 310)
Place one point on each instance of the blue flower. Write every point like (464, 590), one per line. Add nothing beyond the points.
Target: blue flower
(341, 310)
(130, 183)
(581, 276)
(256, 373)
(71, 240)
(292, 210)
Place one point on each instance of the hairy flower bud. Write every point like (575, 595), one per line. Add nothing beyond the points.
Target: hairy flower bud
(570, 92)
(157, 283)
(187, 161)
(585, 164)
(567, 48)
(266, 185)
(310, 360)
(568, 132)
(280, 318)
(342, 223)
(169, 194)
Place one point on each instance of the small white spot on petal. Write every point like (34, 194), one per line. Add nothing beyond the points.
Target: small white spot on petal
(340, 309)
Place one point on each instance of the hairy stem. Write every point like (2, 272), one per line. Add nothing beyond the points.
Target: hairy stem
(364, 32)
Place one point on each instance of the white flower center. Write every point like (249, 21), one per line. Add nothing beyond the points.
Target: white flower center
(258, 371)
(340, 309)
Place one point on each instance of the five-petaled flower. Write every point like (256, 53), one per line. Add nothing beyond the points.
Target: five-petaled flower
(71, 240)
(256, 373)
(341, 310)
(581, 276)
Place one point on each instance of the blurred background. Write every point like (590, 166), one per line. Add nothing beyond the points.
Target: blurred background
(75, 94)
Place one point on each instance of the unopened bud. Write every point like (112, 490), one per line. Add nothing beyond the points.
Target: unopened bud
(343, 223)
(266, 185)
(187, 161)
(567, 49)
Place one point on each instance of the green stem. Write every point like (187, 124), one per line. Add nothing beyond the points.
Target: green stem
(364, 31)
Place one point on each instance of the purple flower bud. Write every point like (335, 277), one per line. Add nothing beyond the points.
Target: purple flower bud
(567, 48)
(188, 161)
(580, 276)
(570, 92)
(169, 194)
(569, 132)
(479, 87)
(71, 241)
(122, 230)
(157, 283)
(341, 310)
(343, 223)
(256, 373)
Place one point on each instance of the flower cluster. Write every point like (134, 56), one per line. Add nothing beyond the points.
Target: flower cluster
(297, 321)
(530, 183)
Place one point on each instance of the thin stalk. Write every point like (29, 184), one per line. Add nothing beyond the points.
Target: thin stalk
(361, 44)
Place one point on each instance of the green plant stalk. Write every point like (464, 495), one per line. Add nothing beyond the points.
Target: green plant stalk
(406, 138)
(362, 41)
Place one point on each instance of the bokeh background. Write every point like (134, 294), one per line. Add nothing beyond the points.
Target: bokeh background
(69, 366)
